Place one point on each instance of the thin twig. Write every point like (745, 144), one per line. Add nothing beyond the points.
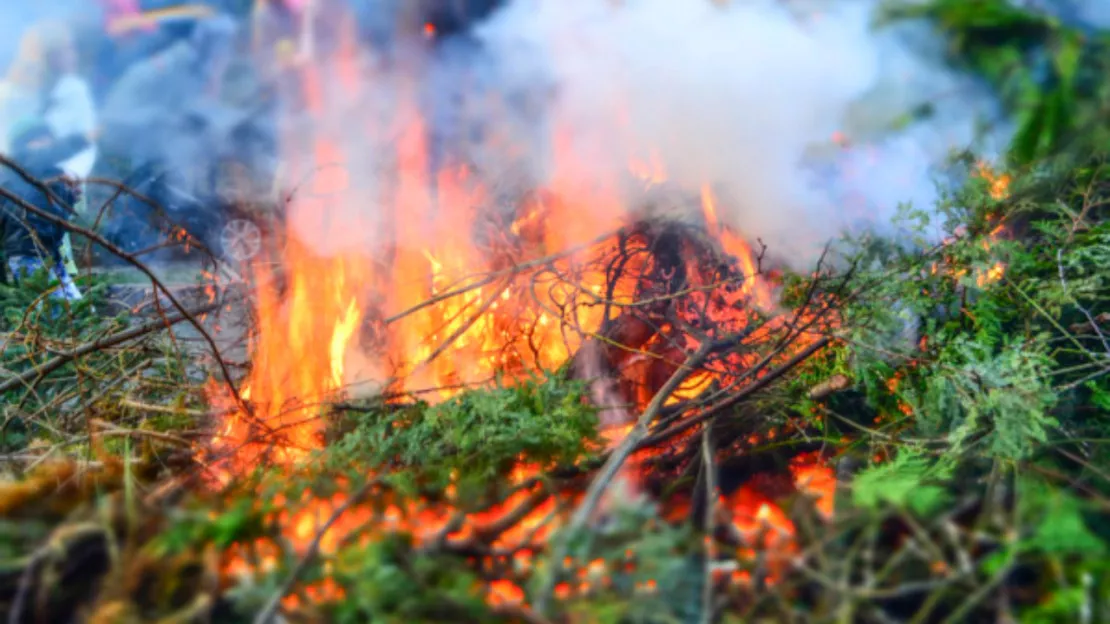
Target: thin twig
(740, 396)
(710, 470)
(130, 259)
(266, 615)
(106, 342)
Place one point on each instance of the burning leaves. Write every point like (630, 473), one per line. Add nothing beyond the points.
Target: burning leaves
(530, 435)
(461, 296)
(450, 510)
(984, 269)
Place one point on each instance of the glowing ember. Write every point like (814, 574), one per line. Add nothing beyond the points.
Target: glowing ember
(999, 183)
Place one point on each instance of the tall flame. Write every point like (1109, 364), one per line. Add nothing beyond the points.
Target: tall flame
(437, 315)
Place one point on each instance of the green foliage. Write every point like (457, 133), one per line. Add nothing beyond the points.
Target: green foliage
(29, 317)
(473, 440)
(645, 571)
(1048, 74)
(27, 303)
(640, 568)
(1060, 528)
(991, 400)
(909, 481)
(468, 445)
(241, 521)
(1000, 379)
(387, 580)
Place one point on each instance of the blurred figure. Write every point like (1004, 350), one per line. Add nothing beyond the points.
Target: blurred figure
(68, 106)
(281, 40)
(172, 122)
(298, 44)
(30, 241)
(159, 100)
(135, 30)
(68, 110)
(285, 30)
(44, 81)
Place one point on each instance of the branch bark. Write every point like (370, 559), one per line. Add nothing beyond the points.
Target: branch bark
(621, 454)
(106, 342)
(129, 258)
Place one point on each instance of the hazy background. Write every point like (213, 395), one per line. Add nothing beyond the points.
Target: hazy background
(748, 98)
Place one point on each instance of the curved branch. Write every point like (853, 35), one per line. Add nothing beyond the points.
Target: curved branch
(130, 259)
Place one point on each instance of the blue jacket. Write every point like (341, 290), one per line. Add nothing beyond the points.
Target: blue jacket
(17, 223)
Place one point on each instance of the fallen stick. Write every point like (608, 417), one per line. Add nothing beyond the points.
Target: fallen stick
(621, 454)
(106, 342)
(710, 470)
(830, 386)
(1090, 328)
(105, 429)
(160, 409)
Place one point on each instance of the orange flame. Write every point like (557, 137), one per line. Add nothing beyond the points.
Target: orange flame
(999, 183)
(442, 317)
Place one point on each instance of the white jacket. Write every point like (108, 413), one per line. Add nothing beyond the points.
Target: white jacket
(70, 111)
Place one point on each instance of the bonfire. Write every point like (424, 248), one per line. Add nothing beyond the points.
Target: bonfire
(451, 391)
(669, 322)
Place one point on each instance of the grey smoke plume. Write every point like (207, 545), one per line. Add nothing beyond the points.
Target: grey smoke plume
(743, 95)
(748, 97)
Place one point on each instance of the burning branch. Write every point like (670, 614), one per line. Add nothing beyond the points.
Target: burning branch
(617, 458)
(268, 612)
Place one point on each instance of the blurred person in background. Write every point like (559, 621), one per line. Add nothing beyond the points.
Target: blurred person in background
(68, 110)
(68, 106)
(173, 121)
(281, 40)
(285, 29)
(297, 44)
(156, 99)
(29, 241)
(23, 85)
(43, 83)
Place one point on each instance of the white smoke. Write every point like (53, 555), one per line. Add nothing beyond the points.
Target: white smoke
(744, 96)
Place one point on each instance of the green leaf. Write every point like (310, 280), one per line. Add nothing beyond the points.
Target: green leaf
(902, 483)
(1063, 531)
(1100, 397)
(1027, 139)
(1066, 60)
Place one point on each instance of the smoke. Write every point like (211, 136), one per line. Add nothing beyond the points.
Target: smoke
(748, 97)
(156, 118)
(16, 16)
